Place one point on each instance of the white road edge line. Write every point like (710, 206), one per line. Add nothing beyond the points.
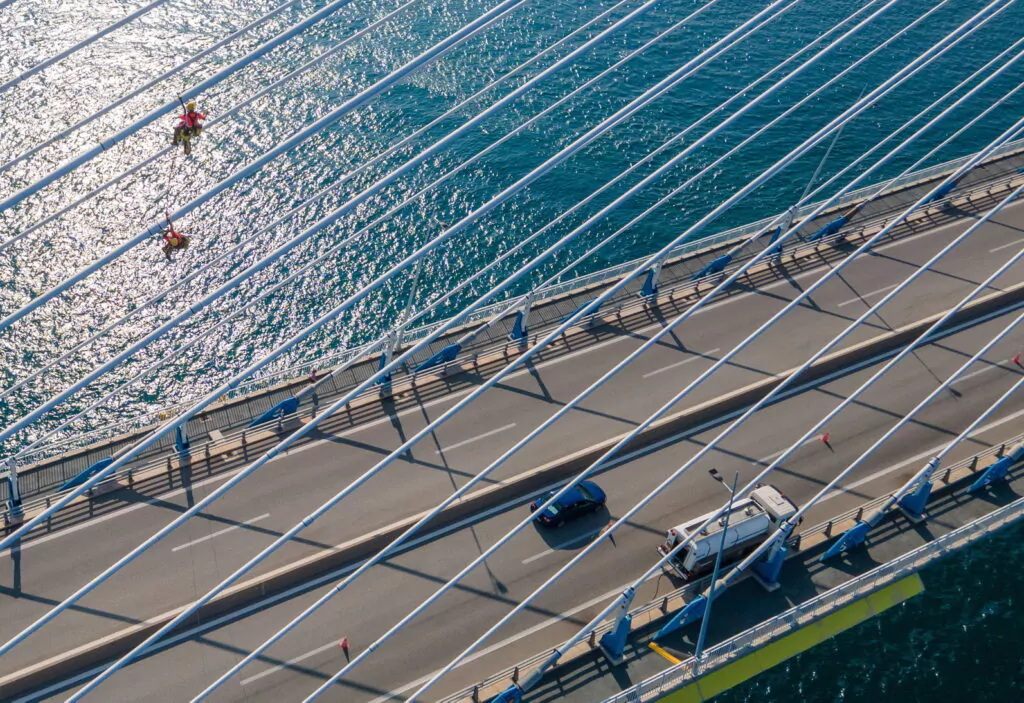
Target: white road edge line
(218, 533)
(698, 355)
(454, 527)
(775, 455)
(464, 442)
(984, 369)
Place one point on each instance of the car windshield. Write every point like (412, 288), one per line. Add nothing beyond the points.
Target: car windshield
(587, 495)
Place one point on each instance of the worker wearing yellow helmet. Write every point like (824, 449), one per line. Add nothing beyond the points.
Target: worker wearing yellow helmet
(190, 125)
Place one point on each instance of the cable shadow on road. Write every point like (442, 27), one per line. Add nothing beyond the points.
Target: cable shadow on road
(551, 401)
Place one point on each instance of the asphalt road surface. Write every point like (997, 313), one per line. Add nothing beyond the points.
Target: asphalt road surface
(207, 549)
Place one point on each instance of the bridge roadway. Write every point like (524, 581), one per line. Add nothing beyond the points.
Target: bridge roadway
(299, 663)
(188, 563)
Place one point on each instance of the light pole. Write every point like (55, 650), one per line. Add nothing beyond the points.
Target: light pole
(699, 652)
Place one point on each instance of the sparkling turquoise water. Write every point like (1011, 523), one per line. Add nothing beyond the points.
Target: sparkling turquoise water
(959, 642)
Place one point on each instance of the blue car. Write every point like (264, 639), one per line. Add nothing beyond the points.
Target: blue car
(585, 498)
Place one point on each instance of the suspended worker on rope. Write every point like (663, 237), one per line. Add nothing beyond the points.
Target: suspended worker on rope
(173, 240)
(190, 126)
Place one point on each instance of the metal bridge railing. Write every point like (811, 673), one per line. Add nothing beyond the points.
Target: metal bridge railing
(299, 371)
(512, 673)
(818, 607)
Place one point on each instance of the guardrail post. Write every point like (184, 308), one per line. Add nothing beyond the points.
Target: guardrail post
(664, 605)
(1001, 451)
(14, 499)
(945, 477)
(860, 513)
(515, 674)
(476, 694)
(974, 464)
(828, 529)
(592, 639)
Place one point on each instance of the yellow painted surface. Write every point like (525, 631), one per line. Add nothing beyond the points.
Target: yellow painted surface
(792, 644)
(663, 653)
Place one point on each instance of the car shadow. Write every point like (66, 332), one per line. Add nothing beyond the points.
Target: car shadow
(577, 533)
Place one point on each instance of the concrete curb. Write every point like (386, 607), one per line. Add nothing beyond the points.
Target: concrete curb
(516, 487)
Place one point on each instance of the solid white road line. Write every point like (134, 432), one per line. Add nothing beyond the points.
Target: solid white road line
(918, 457)
(863, 298)
(699, 355)
(464, 442)
(218, 533)
(576, 540)
(1006, 246)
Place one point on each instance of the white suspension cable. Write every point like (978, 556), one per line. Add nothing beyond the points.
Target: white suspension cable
(582, 554)
(376, 159)
(870, 98)
(46, 63)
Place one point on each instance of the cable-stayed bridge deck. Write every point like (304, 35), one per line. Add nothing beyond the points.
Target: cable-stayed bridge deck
(749, 619)
(260, 509)
(48, 468)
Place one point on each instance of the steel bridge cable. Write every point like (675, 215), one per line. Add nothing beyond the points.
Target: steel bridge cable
(142, 89)
(764, 473)
(366, 228)
(390, 548)
(784, 530)
(229, 113)
(789, 111)
(620, 115)
(523, 603)
(463, 34)
(46, 63)
(330, 251)
(761, 476)
(620, 602)
(657, 90)
(501, 259)
(235, 248)
(351, 204)
(508, 369)
(764, 128)
(770, 172)
(67, 167)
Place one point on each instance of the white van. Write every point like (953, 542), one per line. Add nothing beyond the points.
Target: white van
(750, 522)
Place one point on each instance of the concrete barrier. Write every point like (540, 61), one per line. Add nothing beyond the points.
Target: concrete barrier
(508, 490)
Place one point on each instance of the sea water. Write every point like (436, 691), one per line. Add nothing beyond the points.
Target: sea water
(958, 642)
